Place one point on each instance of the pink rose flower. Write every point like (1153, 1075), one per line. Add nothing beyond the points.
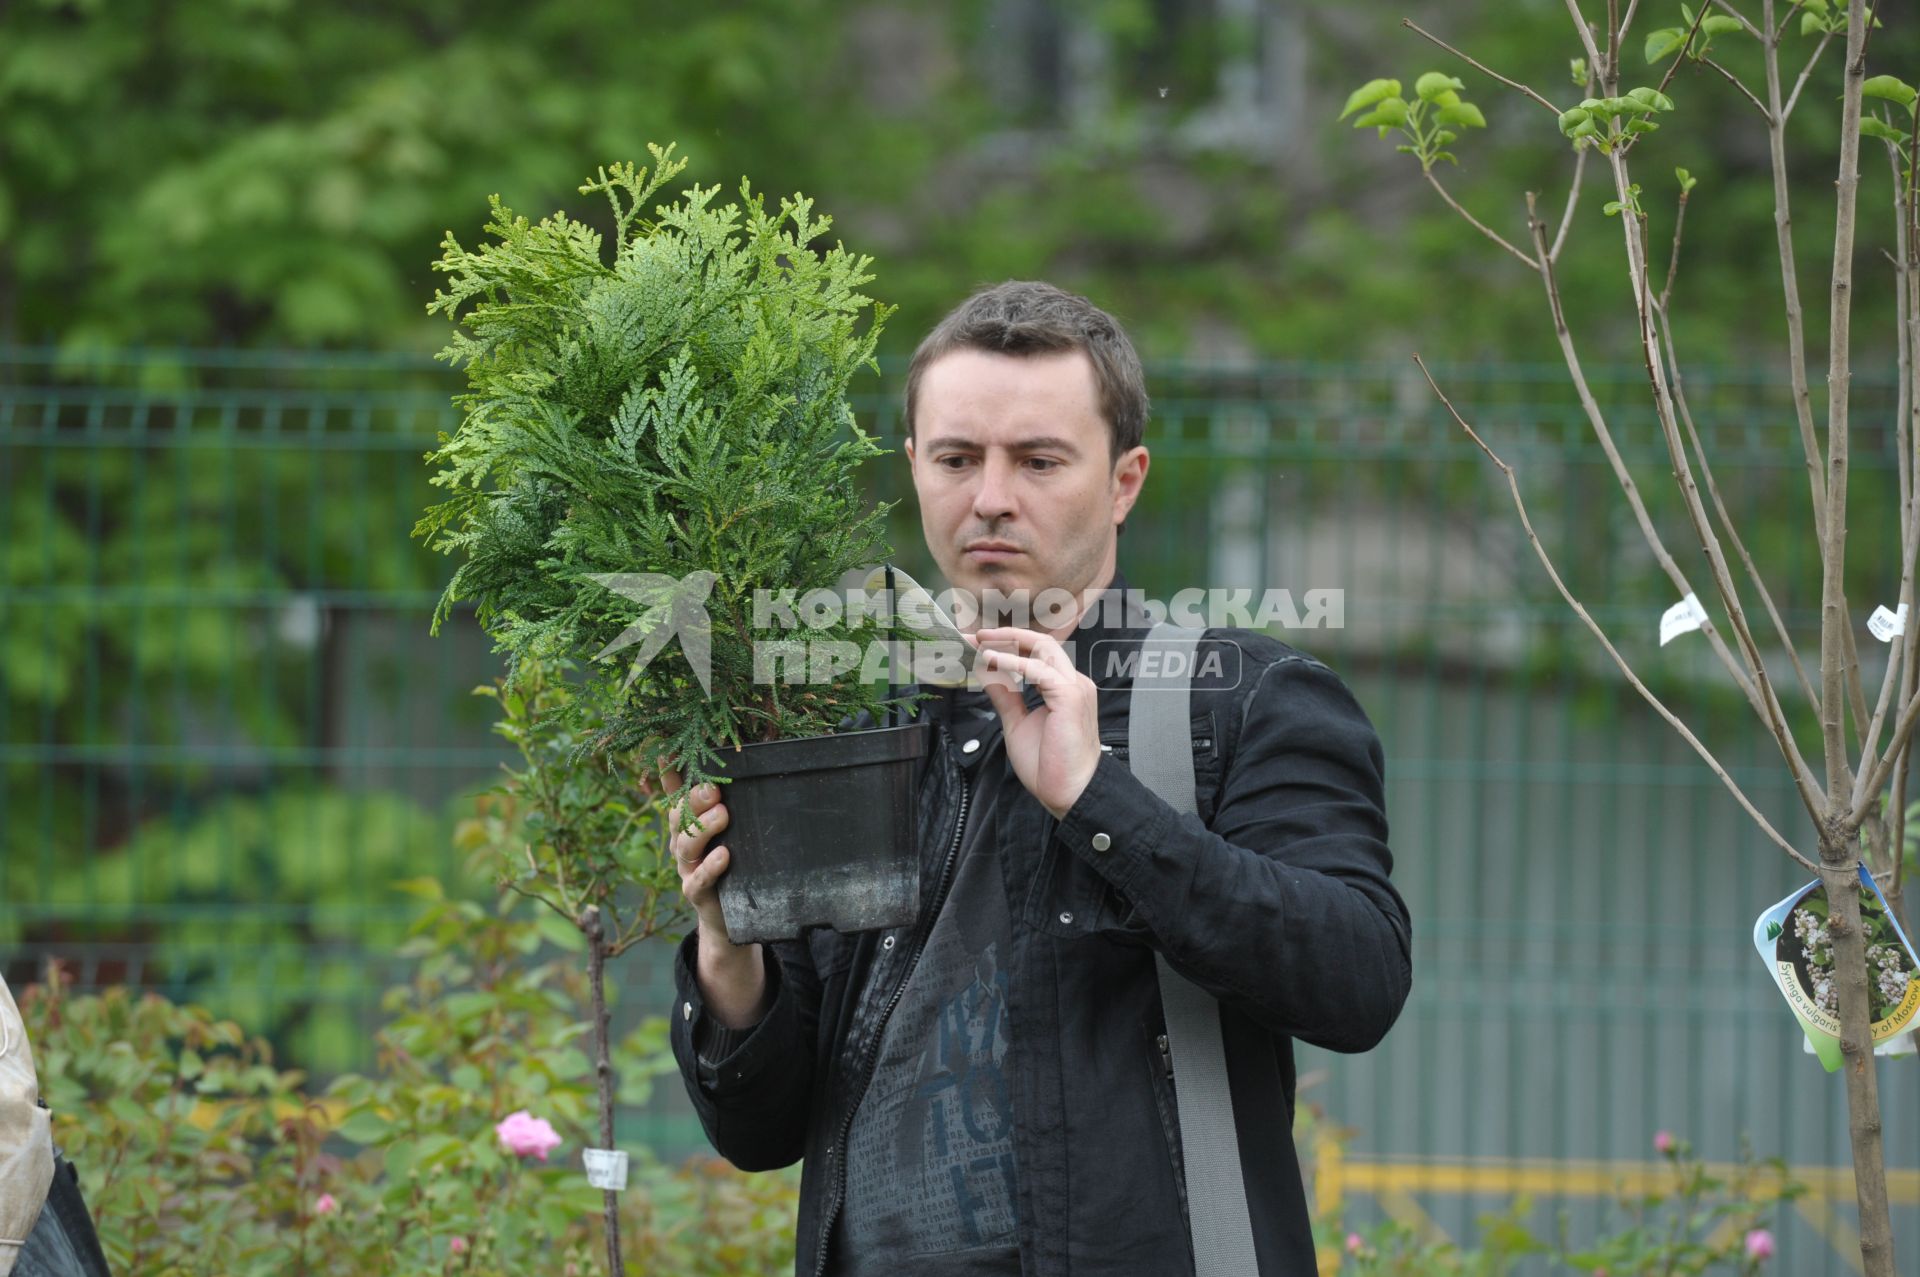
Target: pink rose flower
(325, 1205)
(457, 1246)
(525, 1135)
(1759, 1244)
(1663, 1143)
(1353, 1243)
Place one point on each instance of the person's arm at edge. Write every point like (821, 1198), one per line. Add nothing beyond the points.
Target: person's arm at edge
(1285, 907)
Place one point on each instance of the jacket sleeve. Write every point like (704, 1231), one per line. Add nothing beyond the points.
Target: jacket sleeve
(1284, 908)
(754, 1102)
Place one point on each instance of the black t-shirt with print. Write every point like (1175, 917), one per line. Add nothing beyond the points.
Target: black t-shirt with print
(931, 1181)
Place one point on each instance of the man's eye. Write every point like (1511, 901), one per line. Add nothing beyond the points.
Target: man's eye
(952, 461)
(1043, 463)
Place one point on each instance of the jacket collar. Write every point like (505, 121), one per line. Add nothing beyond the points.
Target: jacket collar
(1114, 615)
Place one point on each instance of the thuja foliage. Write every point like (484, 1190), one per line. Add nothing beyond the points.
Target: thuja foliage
(667, 408)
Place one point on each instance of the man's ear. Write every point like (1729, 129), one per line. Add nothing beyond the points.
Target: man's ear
(1129, 476)
(909, 452)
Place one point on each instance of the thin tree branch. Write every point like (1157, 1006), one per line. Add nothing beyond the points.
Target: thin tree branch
(1752, 30)
(1734, 80)
(1713, 488)
(1477, 65)
(1594, 60)
(1622, 475)
(1613, 34)
(1573, 196)
(1673, 67)
(1801, 83)
(1835, 628)
(1790, 283)
(1902, 730)
(1626, 24)
(1896, 651)
(1633, 228)
(1673, 264)
(1520, 505)
(1476, 223)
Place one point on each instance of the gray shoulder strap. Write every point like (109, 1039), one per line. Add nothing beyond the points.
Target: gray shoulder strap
(1160, 752)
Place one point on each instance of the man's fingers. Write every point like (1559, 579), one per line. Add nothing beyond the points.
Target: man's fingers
(1031, 668)
(704, 874)
(688, 848)
(699, 799)
(1031, 643)
(1007, 703)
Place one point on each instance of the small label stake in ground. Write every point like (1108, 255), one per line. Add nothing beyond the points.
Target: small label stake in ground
(606, 1168)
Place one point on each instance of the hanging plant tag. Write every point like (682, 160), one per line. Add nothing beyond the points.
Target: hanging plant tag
(1793, 941)
(1887, 626)
(1683, 617)
(606, 1168)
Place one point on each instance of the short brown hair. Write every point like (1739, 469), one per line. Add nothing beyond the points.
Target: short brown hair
(1029, 317)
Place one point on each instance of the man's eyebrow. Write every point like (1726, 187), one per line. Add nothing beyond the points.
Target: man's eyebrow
(1041, 443)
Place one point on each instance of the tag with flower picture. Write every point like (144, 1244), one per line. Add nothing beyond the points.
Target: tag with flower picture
(1793, 941)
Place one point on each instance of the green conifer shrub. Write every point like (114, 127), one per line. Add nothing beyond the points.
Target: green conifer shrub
(675, 405)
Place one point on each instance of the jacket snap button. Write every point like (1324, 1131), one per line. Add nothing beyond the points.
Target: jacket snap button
(686, 1010)
(970, 746)
(1101, 842)
(887, 943)
(1066, 917)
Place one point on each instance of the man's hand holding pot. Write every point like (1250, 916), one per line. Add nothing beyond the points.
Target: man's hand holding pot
(732, 977)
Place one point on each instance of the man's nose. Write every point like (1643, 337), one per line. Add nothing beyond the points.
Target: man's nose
(993, 499)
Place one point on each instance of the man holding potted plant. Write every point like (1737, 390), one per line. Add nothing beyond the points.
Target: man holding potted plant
(992, 1090)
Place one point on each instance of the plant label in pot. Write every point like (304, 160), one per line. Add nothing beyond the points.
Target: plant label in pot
(1793, 941)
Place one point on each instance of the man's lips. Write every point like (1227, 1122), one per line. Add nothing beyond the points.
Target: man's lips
(993, 550)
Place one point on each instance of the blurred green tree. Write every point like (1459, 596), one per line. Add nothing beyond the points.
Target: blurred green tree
(259, 172)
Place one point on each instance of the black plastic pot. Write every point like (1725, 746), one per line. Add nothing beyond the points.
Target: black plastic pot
(822, 831)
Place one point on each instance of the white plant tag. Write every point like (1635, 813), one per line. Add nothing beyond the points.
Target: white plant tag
(1685, 616)
(1887, 626)
(606, 1168)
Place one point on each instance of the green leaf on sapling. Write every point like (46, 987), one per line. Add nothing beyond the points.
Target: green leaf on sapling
(1434, 85)
(1890, 88)
(1461, 113)
(1687, 180)
(1578, 68)
(1641, 126)
(1874, 126)
(1388, 111)
(1662, 44)
(1652, 99)
(1369, 93)
(1720, 24)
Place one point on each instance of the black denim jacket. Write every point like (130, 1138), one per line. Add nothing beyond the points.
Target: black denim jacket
(1276, 900)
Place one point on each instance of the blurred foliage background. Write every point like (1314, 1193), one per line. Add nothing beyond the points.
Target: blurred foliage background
(224, 733)
(264, 172)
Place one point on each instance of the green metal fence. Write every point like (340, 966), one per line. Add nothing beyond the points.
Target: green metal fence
(224, 729)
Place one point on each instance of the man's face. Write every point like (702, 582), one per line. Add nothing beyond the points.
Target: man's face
(1011, 462)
